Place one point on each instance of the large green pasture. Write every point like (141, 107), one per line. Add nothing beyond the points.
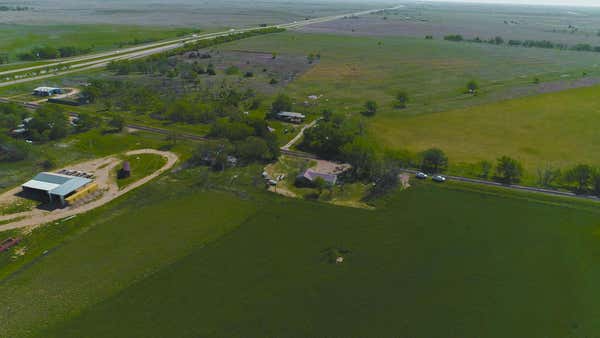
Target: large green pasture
(558, 130)
(433, 73)
(175, 259)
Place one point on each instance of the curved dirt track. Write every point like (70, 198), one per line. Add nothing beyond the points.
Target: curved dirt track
(104, 167)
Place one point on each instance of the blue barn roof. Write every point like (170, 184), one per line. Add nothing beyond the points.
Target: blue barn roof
(56, 184)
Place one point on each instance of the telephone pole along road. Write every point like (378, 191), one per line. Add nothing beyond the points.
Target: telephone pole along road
(100, 60)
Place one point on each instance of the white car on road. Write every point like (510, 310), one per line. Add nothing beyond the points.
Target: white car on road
(439, 178)
(421, 175)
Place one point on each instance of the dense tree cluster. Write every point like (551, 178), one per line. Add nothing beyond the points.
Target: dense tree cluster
(201, 106)
(49, 52)
(341, 138)
(47, 123)
(11, 115)
(5, 8)
(12, 150)
(250, 137)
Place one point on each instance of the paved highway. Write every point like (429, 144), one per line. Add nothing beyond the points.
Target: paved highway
(93, 61)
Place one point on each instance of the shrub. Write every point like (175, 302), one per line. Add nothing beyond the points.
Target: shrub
(508, 170)
(434, 160)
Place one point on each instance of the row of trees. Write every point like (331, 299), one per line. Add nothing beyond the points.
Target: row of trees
(498, 40)
(49, 52)
(163, 64)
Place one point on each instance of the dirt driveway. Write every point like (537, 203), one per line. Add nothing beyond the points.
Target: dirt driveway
(102, 169)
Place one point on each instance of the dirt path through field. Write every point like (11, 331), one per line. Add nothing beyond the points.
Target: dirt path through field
(102, 169)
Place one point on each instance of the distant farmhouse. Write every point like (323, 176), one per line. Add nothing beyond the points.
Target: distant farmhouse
(291, 117)
(308, 177)
(47, 91)
(57, 187)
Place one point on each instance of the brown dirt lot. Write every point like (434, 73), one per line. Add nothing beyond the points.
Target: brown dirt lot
(102, 168)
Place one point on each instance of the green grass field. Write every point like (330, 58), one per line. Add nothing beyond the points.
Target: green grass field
(558, 129)
(21, 38)
(554, 129)
(433, 73)
(75, 148)
(173, 259)
(142, 165)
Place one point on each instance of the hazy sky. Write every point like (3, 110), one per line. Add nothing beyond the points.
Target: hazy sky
(595, 3)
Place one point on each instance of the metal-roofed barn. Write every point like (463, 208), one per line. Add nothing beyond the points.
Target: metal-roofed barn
(56, 187)
(291, 117)
(46, 91)
(308, 177)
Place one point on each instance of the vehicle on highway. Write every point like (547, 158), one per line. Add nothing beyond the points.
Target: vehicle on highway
(439, 178)
(421, 175)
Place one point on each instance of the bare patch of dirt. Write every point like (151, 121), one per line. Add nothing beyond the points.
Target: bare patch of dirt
(102, 169)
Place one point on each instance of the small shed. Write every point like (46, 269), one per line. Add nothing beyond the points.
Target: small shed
(125, 170)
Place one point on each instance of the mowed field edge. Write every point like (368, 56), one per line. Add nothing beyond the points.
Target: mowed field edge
(558, 130)
(481, 265)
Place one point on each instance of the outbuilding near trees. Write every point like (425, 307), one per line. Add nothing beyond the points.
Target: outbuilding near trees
(55, 187)
(291, 117)
(125, 171)
(309, 177)
(47, 91)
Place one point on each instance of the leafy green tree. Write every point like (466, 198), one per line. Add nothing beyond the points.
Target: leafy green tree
(596, 183)
(231, 130)
(48, 123)
(434, 160)
(327, 137)
(581, 175)
(370, 108)
(117, 122)
(282, 103)
(253, 149)
(485, 169)
(232, 70)
(472, 86)
(320, 184)
(401, 99)
(86, 121)
(210, 69)
(385, 177)
(508, 170)
(11, 115)
(361, 154)
(547, 176)
(12, 150)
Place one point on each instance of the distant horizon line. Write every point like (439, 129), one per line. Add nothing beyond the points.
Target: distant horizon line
(514, 2)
